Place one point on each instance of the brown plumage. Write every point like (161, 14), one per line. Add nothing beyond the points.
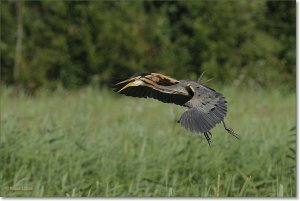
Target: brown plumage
(206, 107)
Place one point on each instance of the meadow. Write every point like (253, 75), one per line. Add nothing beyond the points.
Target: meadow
(92, 142)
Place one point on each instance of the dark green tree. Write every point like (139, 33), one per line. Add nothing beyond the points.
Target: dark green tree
(72, 44)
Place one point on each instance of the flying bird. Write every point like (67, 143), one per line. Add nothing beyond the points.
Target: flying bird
(205, 106)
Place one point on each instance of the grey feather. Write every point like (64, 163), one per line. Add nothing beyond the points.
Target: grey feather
(207, 108)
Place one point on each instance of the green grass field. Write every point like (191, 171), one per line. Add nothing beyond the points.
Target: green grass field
(95, 143)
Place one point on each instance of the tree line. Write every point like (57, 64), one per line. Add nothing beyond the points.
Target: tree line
(77, 43)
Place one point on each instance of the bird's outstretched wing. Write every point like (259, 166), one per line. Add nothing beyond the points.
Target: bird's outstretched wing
(154, 85)
(206, 109)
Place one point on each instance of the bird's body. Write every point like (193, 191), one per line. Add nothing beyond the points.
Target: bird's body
(206, 107)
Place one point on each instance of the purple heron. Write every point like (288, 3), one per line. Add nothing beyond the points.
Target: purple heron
(205, 106)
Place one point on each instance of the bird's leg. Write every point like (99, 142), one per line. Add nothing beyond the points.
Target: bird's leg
(230, 131)
(206, 134)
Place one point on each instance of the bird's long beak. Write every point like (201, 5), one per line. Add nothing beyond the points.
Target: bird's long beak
(127, 85)
(133, 83)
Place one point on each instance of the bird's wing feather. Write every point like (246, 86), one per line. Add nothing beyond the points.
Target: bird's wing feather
(154, 85)
(207, 108)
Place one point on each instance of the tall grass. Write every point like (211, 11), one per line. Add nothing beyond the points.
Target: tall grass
(95, 143)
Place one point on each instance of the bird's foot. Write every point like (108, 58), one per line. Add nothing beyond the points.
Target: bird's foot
(230, 131)
(208, 137)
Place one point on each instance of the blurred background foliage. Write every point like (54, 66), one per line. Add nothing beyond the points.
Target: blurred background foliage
(77, 43)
